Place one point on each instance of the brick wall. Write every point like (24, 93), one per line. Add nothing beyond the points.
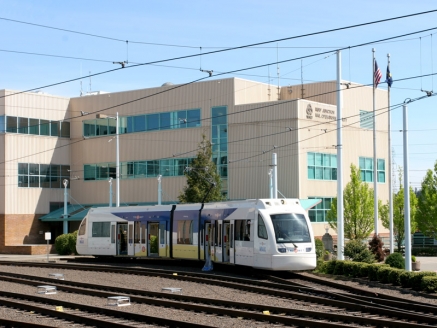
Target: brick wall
(22, 229)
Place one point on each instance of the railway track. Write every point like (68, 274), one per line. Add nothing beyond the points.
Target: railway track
(324, 307)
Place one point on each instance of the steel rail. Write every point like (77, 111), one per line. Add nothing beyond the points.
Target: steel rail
(150, 298)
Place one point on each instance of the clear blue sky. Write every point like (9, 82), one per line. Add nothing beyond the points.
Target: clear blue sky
(191, 27)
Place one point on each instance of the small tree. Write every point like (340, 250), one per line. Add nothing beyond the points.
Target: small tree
(398, 213)
(376, 248)
(427, 204)
(358, 208)
(203, 180)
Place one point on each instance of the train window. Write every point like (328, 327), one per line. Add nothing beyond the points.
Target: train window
(185, 232)
(137, 230)
(162, 233)
(113, 234)
(290, 228)
(219, 240)
(130, 234)
(82, 228)
(143, 234)
(262, 231)
(101, 229)
(242, 230)
(232, 236)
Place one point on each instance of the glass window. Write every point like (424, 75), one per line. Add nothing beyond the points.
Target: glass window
(23, 168)
(112, 126)
(102, 127)
(54, 129)
(33, 169)
(185, 232)
(139, 123)
(366, 169)
(164, 122)
(65, 129)
(33, 181)
(122, 127)
(2, 124)
(166, 167)
(23, 181)
(180, 165)
(23, 125)
(89, 128)
(140, 169)
(262, 231)
(11, 124)
(152, 168)
(219, 115)
(322, 166)
(182, 119)
(130, 124)
(44, 128)
(33, 126)
(152, 122)
(193, 118)
(319, 212)
(89, 172)
(101, 229)
(290, 228)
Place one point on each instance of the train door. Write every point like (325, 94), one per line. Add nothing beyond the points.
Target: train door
(231, 243)
(226, 242)
(130, 239)
(153, 239)
(207, 241)
(163, 245)
(218, 240)
(122, 239)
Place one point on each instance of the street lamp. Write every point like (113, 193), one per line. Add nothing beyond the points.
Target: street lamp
(159, 177)
(117, 165)
(110, 192)
(65, 216)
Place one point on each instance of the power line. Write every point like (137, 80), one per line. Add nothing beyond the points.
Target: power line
(226, 49)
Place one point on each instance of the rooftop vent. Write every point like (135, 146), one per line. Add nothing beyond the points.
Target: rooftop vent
(167, 84)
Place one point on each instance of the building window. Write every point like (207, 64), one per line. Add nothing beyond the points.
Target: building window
(31, 175)
(142, 123)
(219, 140)
(34, 126)
(366, 169)
(137, 170)
(366, 119)
(322, 166)
(319, 212)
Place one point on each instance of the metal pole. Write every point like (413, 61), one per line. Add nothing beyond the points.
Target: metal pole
(407, 225)
(275, 176)
(65, 216)
(110, 192)
(390, 186)
(375, 172)
(117, 171)
(159, 189)
(270, 183)
(340, 211)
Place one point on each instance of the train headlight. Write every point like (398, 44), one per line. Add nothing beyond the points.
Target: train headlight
(282, 248)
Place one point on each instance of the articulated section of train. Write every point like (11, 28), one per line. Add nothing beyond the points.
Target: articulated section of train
(272, 234)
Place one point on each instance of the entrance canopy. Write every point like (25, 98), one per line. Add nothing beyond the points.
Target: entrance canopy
(309, 203)
(74, 212)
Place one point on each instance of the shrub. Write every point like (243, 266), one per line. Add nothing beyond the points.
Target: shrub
(417, 278)
(61, 244)
(376, 248)
(348, 268)
(373, 270)
(66, 244)
(330, 266)
(394, 276)
(339, 265)
(429, 284)
(358, 252)
(407, 279)
(321, 266)
(383, 273)
(153, 244)
(364, 270)
(395, 260)
(319, 248)
(413, 258)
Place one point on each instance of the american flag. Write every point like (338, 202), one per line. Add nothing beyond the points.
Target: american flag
(376, 75)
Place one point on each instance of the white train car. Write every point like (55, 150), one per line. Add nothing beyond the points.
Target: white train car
(272, 234)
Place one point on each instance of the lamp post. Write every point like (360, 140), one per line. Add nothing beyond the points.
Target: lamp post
(65, 216)
(117, 165)
(159, 189)
(110, 192)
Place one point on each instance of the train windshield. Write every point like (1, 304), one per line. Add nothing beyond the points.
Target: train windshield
(290, 228)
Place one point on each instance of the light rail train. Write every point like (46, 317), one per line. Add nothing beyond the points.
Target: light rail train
(271, 234)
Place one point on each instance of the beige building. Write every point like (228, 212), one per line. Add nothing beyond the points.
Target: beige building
(159, 130)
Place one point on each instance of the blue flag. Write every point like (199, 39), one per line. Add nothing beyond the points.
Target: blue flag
(388, 78)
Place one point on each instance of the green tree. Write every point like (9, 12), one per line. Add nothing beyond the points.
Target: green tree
(427, 204)
(358, 208)
(398, 213)
(203, 179)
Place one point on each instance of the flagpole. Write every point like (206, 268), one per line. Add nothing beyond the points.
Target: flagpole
(375, 177)
(390, 189)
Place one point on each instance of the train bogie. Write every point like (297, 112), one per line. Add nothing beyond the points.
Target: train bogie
(269, 234)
